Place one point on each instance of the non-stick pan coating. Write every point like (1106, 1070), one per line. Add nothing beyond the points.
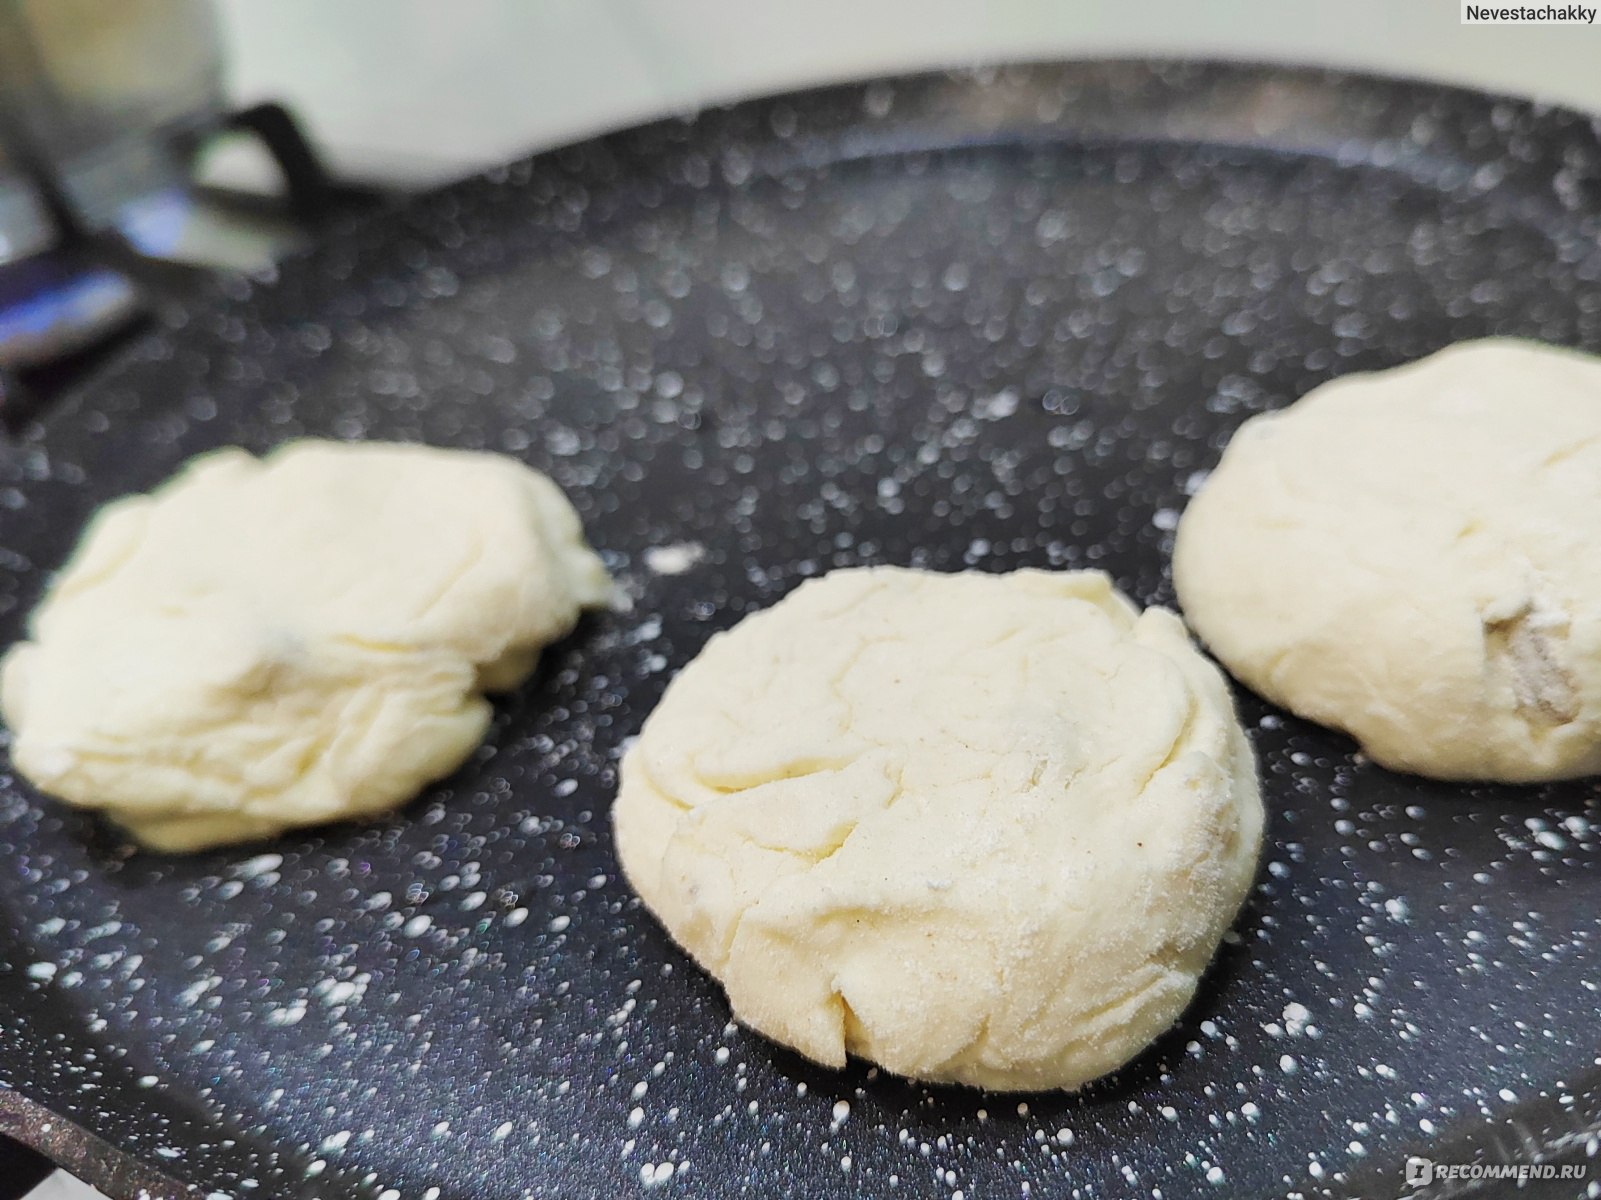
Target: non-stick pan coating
(978, 321)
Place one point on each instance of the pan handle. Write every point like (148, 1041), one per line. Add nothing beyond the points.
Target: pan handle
(77, 1151)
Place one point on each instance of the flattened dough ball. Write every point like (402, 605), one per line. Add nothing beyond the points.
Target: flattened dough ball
(266, 643)
(979, 828)
(1414, 556)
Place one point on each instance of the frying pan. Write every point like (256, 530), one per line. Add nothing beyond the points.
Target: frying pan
(979, 320)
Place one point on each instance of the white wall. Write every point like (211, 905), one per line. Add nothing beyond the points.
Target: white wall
(424, 89)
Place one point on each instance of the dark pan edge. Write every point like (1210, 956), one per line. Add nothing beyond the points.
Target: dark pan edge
(1328, 118)
(77, 1151)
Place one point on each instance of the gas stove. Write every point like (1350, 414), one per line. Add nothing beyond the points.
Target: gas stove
(73, 303)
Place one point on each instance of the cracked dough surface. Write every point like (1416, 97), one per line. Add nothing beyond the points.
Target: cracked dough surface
(1414, 556)
(978, 828)
(266, 643)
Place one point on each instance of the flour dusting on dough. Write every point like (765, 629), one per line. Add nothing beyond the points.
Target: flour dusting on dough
(981, 828)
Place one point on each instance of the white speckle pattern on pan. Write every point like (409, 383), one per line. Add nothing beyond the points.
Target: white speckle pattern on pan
(991, 321)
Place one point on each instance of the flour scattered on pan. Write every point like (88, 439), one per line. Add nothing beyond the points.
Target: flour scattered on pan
(656, 1174)
(997, 407)
(674, 559)
(865, 451)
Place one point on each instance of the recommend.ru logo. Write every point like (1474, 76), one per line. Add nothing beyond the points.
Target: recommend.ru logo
(1420, 1172)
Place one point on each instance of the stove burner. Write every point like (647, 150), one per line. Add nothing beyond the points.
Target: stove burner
(64, 310)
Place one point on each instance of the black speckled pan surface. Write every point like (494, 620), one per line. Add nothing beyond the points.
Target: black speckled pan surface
(984, 321)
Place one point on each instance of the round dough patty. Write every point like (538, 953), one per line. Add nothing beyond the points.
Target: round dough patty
(1414, 556)
(979, 828)
(262, 644)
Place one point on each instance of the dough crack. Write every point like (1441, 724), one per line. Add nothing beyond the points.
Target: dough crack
(1182, 739)
(813, 856)
(1564, 453)
(459, 572)
(1524, 645)
(973, 1051)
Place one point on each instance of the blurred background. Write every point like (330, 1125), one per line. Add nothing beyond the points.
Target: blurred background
(419, 91)
(147, 144)
(144, 143)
